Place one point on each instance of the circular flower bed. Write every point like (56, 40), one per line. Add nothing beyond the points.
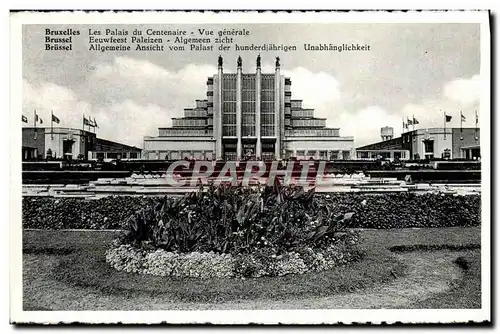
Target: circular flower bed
(236, 232)
(206, 265)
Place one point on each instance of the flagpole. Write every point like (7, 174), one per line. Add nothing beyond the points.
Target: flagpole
(444, 119)
(52, 124)
(413, 122)
(475, 132)
(34, 121)
(461, 121)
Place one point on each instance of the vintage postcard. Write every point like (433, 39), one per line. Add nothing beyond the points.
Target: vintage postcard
(250, 167)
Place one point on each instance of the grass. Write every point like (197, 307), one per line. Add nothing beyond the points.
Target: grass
(468, 291)
(86, 267)
(81, 263)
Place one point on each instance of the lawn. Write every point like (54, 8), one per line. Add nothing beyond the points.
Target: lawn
(70, 264)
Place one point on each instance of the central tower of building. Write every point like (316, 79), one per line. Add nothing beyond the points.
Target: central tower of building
(248, 116)
(248, 112)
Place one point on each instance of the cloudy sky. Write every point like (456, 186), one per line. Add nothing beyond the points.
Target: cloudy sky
(411, 69)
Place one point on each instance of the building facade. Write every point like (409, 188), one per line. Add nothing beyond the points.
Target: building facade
(248, 116)
(431, 143)
(454, 143)
(391, 149)
(59, 143)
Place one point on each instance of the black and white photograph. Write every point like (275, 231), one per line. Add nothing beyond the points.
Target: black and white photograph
(250, 167)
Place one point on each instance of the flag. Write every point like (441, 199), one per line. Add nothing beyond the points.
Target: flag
(38, 119)
(95, 123)
(477, 119)
(448, 118)
(409, 122)
(25, 119)
(415, 121)
(463, 117)
(55, 119)
(86, 121)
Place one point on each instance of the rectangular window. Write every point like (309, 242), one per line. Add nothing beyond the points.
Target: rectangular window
(429, 146)
(267, 95)
(229, 130)
(267, 130)
(228, 95)
(334, 155)
(248, 95)
(248, 81)
(133, 155)
(229, 105)
(267, 156)
(267, 82)
(230, 156)
(112, 155)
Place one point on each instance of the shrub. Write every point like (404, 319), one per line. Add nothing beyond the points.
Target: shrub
(397, 210)
(237, 220)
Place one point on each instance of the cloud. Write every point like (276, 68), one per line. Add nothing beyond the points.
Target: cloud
(465, 91)
(365, 124)
(128, 122)
(144, 82)
(316, 89)
(48, 97)
(130, 98)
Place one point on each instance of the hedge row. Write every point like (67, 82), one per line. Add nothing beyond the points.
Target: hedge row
(398, 210)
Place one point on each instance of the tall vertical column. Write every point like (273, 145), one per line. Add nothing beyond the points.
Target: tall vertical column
(258, 91)
(238, 110)
(218, 111)
(277, 96)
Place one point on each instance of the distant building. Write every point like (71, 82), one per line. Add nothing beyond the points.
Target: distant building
(248, 116)
(72, 144)
(450, 143)
(387, 149)
(386, 133)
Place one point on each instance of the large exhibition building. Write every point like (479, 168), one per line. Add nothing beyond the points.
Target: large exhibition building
(429, 143)
(68, 143)
(248, 116)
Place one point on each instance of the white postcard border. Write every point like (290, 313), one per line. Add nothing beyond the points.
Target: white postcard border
(245, 316)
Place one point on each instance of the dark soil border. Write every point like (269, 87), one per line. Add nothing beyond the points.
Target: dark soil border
(430, 248)
(91, 270)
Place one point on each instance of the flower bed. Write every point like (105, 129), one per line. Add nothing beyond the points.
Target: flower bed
(208, 265)
(235, 232)
(399, 210)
